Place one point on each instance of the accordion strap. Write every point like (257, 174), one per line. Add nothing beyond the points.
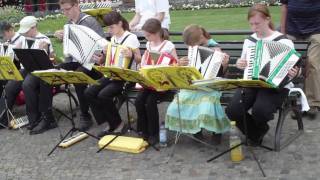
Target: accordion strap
(278, 38)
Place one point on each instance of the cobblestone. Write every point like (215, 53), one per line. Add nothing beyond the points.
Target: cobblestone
(25, 157)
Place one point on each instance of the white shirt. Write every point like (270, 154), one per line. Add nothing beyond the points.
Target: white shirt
(131, 41)
(149, 8)
(165, 46)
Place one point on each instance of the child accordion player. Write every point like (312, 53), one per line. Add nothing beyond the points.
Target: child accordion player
(198, 109)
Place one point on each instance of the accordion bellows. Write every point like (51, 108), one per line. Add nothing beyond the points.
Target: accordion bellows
(81, 43)
(206, 60)
(115, 58)
(6, 50)
(123, 143)
(270, 61)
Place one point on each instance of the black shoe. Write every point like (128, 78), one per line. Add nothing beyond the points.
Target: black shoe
(312, 113)
(85, 122)
(198, 135)
(46, 122)
(112, 130)
(216, 138)
(257, 140)
(32, 125)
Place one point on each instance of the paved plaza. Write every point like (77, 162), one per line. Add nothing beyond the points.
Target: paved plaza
(24, 157)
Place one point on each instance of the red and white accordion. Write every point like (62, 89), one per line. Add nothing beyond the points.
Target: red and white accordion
(157, 58)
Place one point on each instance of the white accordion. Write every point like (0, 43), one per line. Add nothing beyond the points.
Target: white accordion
(206, 60)
(6, 50)
(95, 5)
(81, 43)
(270, 61)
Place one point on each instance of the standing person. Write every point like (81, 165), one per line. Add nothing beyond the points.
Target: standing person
(199, 109)
(146, 9)
(101, 97)
(303, 24)
(12, 87)
(71, 10)
(38, 94)
(263, 102)
(146, 102)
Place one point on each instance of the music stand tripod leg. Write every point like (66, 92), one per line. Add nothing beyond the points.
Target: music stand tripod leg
(242, 101)
(7, 110)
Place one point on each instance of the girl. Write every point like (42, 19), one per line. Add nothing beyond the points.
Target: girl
(198, 109)
(146, 102)
(262, 102)
(100, 97)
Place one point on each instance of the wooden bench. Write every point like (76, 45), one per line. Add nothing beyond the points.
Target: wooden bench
(234, 49)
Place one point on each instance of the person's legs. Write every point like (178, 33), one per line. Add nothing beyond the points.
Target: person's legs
(30, 87)
(140, 104)
(106, 97)
(153, 114)
(266, 104)
(312, 80)
(44, 107)
(97, 107)
(240, 103)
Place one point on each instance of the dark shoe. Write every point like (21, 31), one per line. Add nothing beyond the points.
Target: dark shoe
(46, 122)
(32, 125)
(111, 130)
(198, 135)
(216, 138)
(257, 140)
(312, 113)
(85, 122)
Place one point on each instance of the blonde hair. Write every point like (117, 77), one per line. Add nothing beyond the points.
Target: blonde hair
(192, 34)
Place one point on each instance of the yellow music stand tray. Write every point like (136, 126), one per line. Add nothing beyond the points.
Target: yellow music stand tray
(98, 13)
(8, 71)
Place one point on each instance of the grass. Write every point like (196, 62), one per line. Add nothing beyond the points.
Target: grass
(211, 19)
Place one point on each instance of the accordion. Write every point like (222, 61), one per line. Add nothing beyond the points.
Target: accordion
(95, 5)
(115, 58)
(157, 58)
(81, 43)
(6, 50)
(270, 61)
(205, 60)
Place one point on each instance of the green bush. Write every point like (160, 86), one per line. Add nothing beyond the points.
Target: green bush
(11, 14)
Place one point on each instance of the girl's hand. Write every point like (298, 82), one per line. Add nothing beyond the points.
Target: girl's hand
(293, 72)
(184, 61)
(241, 63)
(126, 52)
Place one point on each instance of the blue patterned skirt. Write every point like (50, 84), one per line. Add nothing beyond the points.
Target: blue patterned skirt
(198, 109)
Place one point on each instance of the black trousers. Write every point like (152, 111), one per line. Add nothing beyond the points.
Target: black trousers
(12, 90)
(38, 95)
(80, 88)
(101, 100)
(147, 112)
(2, 84)
(263, 104)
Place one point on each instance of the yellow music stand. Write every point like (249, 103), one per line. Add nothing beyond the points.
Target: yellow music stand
(8, 71)
(98, 13)
(59, 77)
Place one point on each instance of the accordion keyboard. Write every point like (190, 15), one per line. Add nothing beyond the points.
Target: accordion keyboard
(19, 122)
(250, 60)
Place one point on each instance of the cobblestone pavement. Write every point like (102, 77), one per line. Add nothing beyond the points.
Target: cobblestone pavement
(24, 157)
